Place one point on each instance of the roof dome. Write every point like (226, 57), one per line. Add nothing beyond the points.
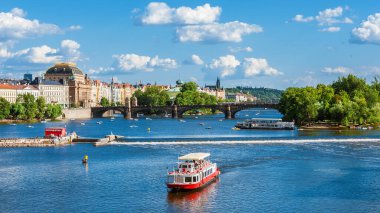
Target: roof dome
(64, 68)
(179, 82)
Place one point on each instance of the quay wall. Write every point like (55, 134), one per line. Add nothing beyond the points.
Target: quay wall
(81, 113)
(36, 142)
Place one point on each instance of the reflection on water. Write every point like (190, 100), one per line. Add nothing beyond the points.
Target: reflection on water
(199, 200)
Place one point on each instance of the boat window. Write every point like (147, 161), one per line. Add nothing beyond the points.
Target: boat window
(187, 179)
(184, 166)
(194, 179)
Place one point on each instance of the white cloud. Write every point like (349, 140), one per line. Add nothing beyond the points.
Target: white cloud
(75, 27)
(14, 26)
(36, 58)
(195, 60)
(258, 66)
(330, 29)
(368, 31)
(240, 49)
(129, 62)
(327, 17)
(160, 13)
(337, 70)
(100, 70)
(225, 64)
(216, 32)
(70, 49)
(300, 18)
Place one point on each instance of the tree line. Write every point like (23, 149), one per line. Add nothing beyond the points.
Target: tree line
(267, 95)
(348, 101)
(27, 107)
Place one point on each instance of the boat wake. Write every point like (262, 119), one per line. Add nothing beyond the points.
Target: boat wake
(268, 141)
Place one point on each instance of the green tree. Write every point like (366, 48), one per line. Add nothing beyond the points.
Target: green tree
(190, 96)
(41, 107)
(104, 102)
(30, 105)
(53, 111)
(153, 96)
(5, 107)
(18, 111)
(189, 86)
(349, 84)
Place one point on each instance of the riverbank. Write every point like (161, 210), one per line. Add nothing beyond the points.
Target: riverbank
(333, 126)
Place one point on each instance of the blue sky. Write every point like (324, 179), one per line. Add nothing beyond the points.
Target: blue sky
(258, 43)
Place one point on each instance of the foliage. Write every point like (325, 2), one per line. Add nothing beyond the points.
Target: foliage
(153, 96)
(104, 102)
(190, 96)
(53, 111)
(262, 94)
(349, 100)
(41, 107)
(5, 107)
(27, 107)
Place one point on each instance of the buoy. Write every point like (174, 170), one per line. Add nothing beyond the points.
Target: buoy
(148, 129)
(85, 159)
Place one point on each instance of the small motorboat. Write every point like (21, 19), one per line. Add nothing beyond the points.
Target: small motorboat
(149, 119)
(112, 118)
(133, 126)
(136, 119)
(202, 124)
(220, 120)
(209, 127)
(182, 121)
(43, 121)
(30, 126)
(196, 117)
(194, 171)
(99, 122)
(13, 124)
(82, 124)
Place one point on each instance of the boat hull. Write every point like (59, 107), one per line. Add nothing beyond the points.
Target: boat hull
(264, 128)
(188, 187)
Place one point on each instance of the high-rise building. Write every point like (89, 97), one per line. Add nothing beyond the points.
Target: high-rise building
(28, 77)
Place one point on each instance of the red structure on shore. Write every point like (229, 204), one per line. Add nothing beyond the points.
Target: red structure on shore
(55, 131)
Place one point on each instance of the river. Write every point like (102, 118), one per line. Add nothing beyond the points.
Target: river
(341, 175)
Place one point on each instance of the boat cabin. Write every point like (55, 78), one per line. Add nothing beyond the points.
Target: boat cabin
(192, 168)
(55, 132)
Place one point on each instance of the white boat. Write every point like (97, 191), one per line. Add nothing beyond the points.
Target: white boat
(194, 171)
(13, 124)
(266, 123)
(202, 124)
(133, 126)
(196, 117)
(43, 121)
(182, 121)
(30, 126)
(209, 127)
(220, 120)
(99, 122)
(82, 124)
(149, 119)
(136, 119)
(112, 118)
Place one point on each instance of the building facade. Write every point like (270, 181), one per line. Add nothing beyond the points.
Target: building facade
(11, 92)
(54, 92)
(79, 84)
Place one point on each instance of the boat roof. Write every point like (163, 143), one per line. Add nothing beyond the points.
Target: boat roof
(194, 156)
(265, 119)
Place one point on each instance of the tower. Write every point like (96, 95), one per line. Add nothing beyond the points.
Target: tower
(217, 83)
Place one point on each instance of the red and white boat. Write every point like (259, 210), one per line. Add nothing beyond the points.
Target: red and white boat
(194, 171)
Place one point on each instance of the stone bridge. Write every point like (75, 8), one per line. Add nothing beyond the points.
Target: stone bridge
(176, 111)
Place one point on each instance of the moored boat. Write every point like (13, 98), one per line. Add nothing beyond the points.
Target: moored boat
(265, 123)
(194, 171)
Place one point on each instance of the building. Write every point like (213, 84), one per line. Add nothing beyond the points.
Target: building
(215, 90)
(28, 77)
(11, 92)
(54, 92)
(240, 97)
(79, 84)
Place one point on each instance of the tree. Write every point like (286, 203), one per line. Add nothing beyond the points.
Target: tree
(30, 105)
(349, 84)
(189, 86)
(153, 96)
(53, 111)
(41, 107)
(104, 102)
(18, 111)
(5, 107)
(190, 96)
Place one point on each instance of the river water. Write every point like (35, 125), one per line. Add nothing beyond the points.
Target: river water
(341, 175)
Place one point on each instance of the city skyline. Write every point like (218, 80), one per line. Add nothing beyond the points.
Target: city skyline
(256, 43)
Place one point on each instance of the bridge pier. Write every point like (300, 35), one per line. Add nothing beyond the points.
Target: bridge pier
(227, 112)
(174, 111)
(128, 113)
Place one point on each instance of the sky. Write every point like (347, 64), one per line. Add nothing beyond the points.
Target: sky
(259, 43)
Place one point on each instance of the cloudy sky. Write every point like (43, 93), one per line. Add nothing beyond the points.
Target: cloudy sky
(266, 43)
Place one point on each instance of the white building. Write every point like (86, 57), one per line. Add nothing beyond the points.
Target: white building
(11, 92)
(240, 97)
(54, 92)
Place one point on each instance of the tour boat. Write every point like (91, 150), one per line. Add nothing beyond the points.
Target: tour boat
(194, 171)
(265, 123)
